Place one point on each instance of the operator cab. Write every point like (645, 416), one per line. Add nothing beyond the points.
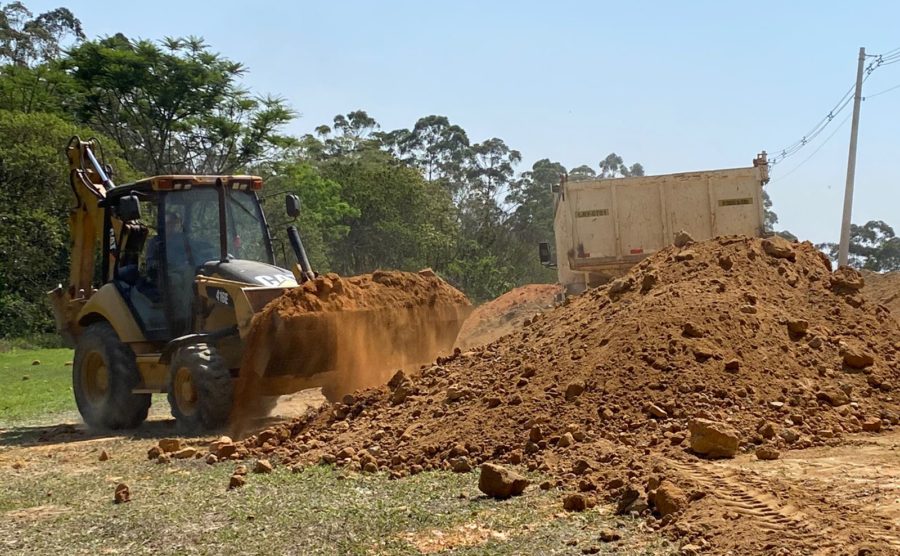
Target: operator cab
(172, 228)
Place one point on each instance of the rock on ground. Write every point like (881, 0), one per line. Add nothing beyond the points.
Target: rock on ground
(767, 453)
(668, 499)
(263, 466)
(122, 494)
(168, 445)
(713, 439)
(499, 482)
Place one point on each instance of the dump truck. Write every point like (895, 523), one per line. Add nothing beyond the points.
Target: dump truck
(605, 226)
(187, 301)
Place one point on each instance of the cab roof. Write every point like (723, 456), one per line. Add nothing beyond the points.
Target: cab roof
(182, 182)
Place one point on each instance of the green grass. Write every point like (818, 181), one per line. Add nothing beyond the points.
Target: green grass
(56, 497)
(29, 391)
(184, 507)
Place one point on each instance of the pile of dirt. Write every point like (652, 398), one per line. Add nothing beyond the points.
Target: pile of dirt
(505, 314)
(747, 342)
(883, 288)
(343, 334)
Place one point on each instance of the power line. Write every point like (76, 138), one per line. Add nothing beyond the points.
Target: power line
(890, 57)
(819, 148)
(792, 149)
(873, 95)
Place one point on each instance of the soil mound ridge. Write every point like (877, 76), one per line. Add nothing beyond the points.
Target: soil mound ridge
(505, 314)
(757, 337)
(883, 288)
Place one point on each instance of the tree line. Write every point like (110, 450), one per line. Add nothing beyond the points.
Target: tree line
(424, 196)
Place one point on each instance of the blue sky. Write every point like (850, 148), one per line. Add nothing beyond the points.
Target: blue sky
(677, 86)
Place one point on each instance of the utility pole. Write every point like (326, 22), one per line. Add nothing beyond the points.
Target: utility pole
(844, 249)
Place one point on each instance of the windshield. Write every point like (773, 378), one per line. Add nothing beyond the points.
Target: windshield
(192, 227)
(246, 229)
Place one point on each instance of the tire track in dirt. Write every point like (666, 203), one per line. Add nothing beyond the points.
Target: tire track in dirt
(764, 510)
(791, 515)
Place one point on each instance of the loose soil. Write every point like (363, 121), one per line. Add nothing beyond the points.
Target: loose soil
(883, 288)
(758, 336)
(342, 334)
(505, 314)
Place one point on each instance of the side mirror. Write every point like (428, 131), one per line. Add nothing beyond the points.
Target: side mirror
(129, 208)
(544, 254)
(292, 205)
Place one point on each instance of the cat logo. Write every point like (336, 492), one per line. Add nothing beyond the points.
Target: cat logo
(277, 280)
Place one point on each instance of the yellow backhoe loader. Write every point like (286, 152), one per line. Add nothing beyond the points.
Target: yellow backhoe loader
(186, 263)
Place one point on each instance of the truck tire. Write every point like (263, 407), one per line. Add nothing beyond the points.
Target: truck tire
(200, 388)
(104, 373)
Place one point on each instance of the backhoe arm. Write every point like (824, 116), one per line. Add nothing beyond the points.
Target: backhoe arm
(90, 183)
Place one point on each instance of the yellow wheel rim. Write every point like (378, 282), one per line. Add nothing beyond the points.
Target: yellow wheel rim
(185, 392)
(95, 377)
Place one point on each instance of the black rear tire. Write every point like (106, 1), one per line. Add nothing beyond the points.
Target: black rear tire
(200, 388)
(104, 373)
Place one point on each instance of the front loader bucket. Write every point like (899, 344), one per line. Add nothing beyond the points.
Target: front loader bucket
(343, 334)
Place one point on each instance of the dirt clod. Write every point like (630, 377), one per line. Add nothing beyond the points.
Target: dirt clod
(798, 327)
(713, 439)
(263, 466)
(573, 390)
(767, 453)
(856, 357)
(122, 494)
(846, 279)
(575, 502)
(682, 239)
(236, 481)
(779, 248)
(631, 500)
(833, 396)
(610, 535)
(872, 425)
(668, 499)
(499, 482)
(104, 455)
(168, 445)
(185, 453)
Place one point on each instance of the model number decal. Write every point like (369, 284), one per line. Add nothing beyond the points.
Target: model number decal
(219, 295)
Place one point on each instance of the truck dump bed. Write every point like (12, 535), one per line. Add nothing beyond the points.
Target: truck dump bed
(605, 226)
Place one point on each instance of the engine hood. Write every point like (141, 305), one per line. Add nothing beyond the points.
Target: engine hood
(249, 272)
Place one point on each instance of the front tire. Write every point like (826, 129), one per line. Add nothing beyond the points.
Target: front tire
(104, 373)
(200, 388)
